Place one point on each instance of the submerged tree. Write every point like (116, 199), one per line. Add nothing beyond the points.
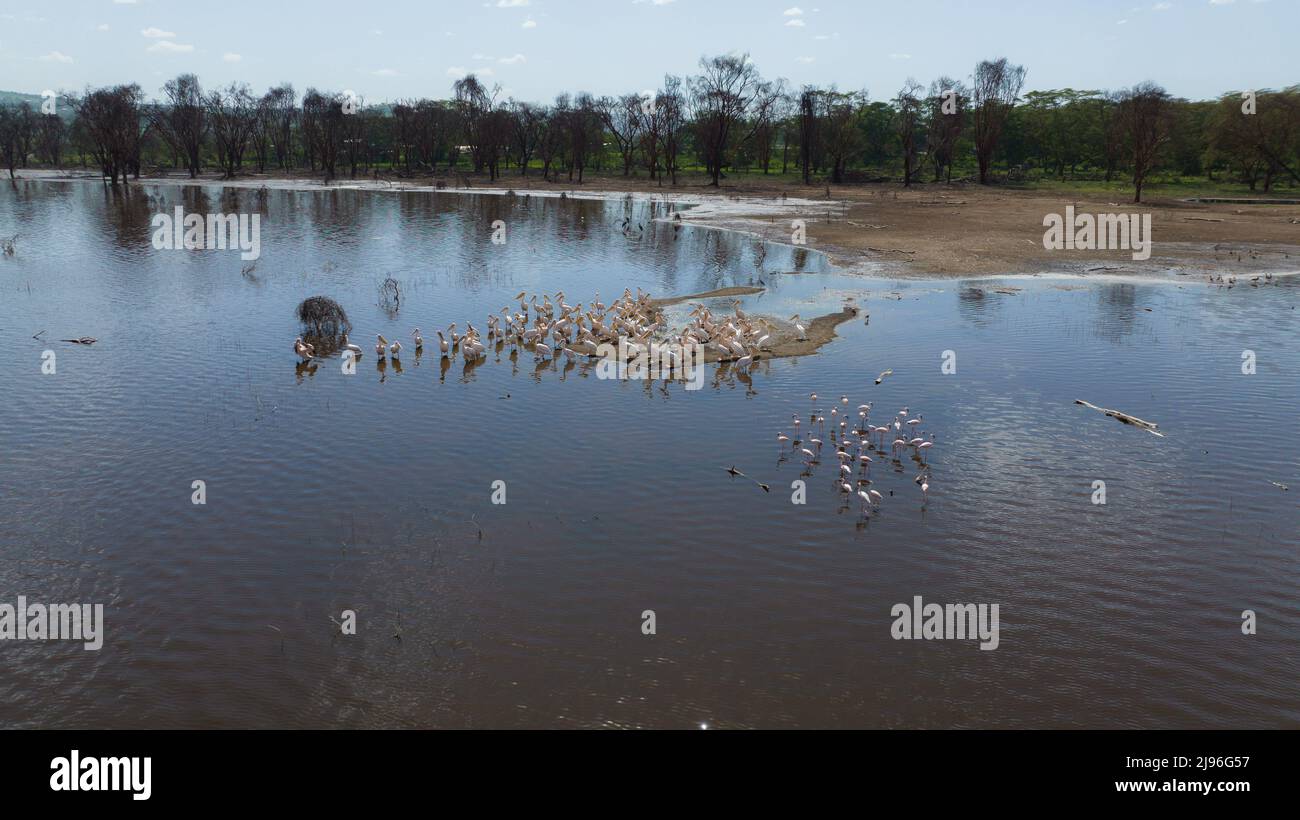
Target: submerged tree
(324, 316)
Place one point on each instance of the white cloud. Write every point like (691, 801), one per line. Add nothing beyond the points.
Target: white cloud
(1162, 6)
(1221, 2)
(232, 57)
(385, 72)
(102, 27)
(512, 4)
(804, 59)
(529, 24)
(652, 2)
(900, 56)
(168, 47)
(55, 57)
(793, 11)
(796, 22)
(124, 2)
(456, 72)
(518, 58)
(155, 33)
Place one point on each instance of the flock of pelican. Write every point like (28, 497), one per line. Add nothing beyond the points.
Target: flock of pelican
(551, 327)
(855, 439)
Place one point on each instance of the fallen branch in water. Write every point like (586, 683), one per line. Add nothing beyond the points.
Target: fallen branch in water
(1149, 426)
(1201, 219)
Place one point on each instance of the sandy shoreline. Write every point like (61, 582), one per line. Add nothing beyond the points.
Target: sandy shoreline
(928, 232)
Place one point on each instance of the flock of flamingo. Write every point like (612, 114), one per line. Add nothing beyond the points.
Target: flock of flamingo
(855, 439)
(553, 328)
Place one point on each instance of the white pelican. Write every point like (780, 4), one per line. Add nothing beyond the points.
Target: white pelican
(381, 345)
(395, 349)
(354, 349)
(304, 350)
(803, 332)
(443, 347)
(419, 340)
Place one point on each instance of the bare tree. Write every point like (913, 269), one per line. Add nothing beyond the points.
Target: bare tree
(721, 96)
(280, 113)
(9, 140)
(651, 133)
(1144, 111)
(232, 112)
(525, 132)
(322, 120)
(26, 132)
(808, 105)
(581, 125)
(947, 111)
(181, 120)
(51, 132)
(621, 117)
(435, 127)
(907, 121)
(1112, 131)
(841, 133)
(109, 118)
(769, 109)
(671, 105)
(356, 132)
(996, 88)
(550, 136)
(494, 139)
(473, 102)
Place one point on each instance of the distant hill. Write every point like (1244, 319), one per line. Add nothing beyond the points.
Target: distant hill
(35, 100)
(16, 98)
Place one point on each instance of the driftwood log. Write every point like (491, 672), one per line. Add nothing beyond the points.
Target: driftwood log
(1149, 426)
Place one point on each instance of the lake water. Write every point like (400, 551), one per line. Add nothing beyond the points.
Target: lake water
(372, 492)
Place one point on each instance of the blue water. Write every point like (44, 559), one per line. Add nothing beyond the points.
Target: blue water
(372, 492)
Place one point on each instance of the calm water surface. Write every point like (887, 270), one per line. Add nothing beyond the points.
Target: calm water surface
(371, 492)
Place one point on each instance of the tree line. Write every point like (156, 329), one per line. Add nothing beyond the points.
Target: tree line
(724, 119)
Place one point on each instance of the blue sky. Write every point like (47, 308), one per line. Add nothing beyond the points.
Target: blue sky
(537, 48)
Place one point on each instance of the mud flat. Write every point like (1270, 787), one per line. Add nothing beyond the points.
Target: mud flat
(785, 341)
